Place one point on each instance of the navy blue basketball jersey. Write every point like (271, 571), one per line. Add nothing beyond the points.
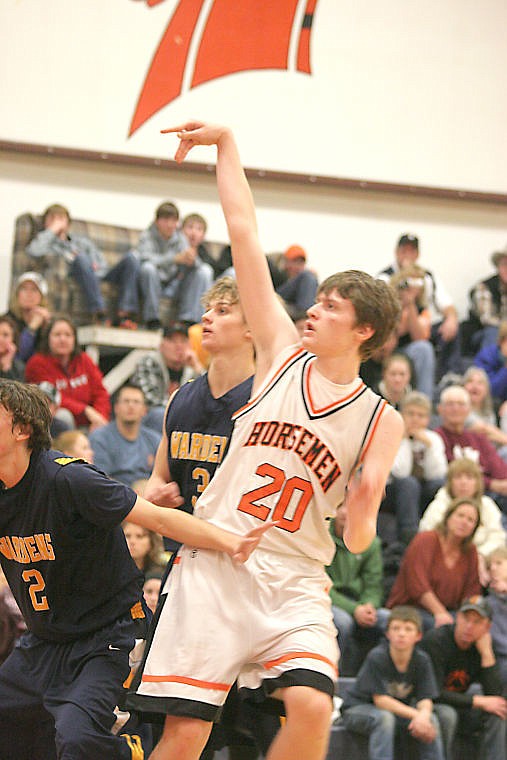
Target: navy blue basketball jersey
(198, 428)
(62, 547)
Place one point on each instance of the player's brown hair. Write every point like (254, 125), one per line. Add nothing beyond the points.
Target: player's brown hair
(29, 407)
(375, 304)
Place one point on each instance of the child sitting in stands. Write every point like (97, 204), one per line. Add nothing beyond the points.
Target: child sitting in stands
(497, 598)
(394, 690)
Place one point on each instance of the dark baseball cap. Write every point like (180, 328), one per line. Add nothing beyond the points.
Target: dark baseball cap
(408, 239)
(175, 327)
(477, 604)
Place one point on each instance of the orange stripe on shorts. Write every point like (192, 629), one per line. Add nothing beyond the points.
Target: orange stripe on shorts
(188, 681)
(297, 655)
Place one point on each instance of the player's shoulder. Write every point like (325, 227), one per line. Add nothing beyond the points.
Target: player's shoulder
(391, 420)
(52, 459)
(191, 387)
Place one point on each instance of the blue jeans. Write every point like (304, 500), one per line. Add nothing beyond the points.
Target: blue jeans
(187, 291)
(491, 730)
(381, 726)
(422, 355)
(188, 288)
(402, 496)
(125, 275)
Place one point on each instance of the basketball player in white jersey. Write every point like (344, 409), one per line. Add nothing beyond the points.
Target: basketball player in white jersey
(311, 436)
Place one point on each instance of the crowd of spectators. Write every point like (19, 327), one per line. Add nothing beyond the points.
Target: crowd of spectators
(446, 498)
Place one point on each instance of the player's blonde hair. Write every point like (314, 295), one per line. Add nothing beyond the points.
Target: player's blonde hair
(224, 289)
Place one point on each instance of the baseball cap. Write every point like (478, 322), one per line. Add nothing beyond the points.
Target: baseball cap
(477, 604)
(408, 239)
(499, 255)
(175, 327)
(295, 252)
(36, 278)
(51, 391)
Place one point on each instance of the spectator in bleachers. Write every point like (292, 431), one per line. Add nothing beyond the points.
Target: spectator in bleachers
(300, 288)
(372, 369)
(421, 464)
(489, 301)
(356, 595)
(482, 417)
(62, 419)
(454, 408)
(497, 600)
(394, 692)
(29, 311)
(396, 378)
(74, 443)
(440, 567)
(11, 366)
(151, 588)
(162, 372)
(194, 228)
(492, 358)
(125, 449)
(462, 655)
(79, 380)
(87, 266)
(443, 314)
(170, 267)
(145, 547)
(465, 481)
(414, 326)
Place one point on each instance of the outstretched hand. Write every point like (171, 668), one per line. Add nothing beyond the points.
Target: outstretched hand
(248, 543)
(195, 133)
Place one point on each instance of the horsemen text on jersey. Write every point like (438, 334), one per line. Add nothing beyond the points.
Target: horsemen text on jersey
(294, 448)
(306, 445)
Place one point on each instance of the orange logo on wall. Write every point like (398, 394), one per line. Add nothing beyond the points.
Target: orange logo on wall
(227, 36)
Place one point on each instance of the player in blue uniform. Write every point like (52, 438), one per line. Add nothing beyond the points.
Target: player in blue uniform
(65, 558)
(197, 430)
(198, 423)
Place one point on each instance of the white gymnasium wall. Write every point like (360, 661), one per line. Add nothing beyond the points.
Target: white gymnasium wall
(400, 92)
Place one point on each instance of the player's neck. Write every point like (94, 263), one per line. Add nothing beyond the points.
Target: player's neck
(340, 370)
(13, 467)
(227, 371)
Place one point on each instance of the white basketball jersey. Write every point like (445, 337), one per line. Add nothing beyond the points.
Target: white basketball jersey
(293, 449)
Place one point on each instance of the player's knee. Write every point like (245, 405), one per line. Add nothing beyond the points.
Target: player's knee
(185, 732)
(306, 705)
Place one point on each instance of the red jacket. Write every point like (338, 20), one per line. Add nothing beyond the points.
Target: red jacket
(80, 384)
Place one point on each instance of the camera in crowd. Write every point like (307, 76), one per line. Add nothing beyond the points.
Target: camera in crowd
(411, 282)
